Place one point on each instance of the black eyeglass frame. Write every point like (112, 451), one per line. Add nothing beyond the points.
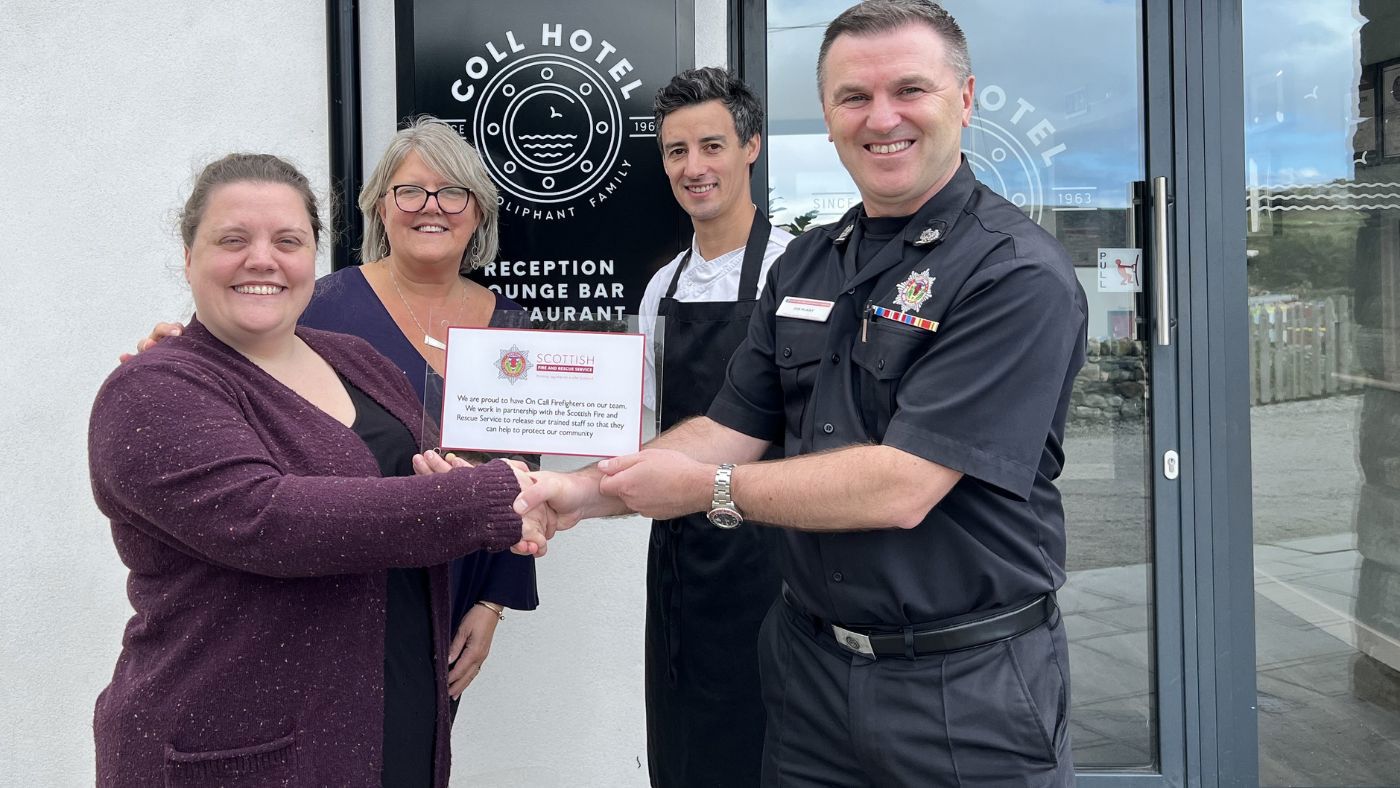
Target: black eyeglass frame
(434, 194)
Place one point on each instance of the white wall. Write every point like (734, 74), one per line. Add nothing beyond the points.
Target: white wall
(108, 111)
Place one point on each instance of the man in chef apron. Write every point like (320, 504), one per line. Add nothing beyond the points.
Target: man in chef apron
(707, 588)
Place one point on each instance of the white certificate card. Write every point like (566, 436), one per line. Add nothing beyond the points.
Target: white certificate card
(520, 391)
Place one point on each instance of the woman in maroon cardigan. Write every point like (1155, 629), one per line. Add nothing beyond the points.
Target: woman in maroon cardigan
(268, 569)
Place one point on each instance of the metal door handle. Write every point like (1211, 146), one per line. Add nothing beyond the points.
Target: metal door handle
(1159, 261)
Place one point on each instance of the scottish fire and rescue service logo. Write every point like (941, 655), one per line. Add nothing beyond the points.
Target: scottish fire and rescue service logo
(550, 124)
(513, 364)
(914, 291)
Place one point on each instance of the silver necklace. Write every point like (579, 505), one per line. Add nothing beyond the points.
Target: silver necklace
(428, 339)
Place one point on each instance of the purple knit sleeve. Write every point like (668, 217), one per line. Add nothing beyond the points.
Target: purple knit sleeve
(171, 453)
(493, 488)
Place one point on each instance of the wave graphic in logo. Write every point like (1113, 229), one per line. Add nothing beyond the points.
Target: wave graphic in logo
(544, 152)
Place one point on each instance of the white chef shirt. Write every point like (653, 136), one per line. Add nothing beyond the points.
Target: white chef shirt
(702, 280)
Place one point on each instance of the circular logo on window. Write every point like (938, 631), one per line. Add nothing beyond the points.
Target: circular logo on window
(549, 126)
(1011, 146)
(999, 159)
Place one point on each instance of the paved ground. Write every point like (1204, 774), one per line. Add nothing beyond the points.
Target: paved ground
(1305, 480)
(1104, 488)
(1305, 469)
(1329, 714)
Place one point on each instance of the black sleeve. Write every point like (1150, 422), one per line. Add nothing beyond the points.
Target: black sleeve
(751, 400)
(982, 397)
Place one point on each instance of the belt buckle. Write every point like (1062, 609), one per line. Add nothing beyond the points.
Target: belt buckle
(854, 641)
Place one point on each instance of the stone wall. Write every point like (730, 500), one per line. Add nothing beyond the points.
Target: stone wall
(1112, 385)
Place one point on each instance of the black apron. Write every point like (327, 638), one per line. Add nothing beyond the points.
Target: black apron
(707, 588)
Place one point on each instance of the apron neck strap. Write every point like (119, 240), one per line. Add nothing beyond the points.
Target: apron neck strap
(754, 250)
(753, 256)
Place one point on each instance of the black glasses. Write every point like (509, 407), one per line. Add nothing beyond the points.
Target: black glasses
(450, 199)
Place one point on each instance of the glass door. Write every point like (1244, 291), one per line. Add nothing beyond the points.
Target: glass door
(1061, 129)
(1322, 221)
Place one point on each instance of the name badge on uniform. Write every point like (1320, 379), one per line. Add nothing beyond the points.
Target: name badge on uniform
(805, 309)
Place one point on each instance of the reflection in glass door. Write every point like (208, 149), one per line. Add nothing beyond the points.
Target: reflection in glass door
(1322, 204)
(1058, 130)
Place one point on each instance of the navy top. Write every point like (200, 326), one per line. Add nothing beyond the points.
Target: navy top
(345, 302)
(986, 393)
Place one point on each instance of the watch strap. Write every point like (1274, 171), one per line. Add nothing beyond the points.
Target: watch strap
(723, 493)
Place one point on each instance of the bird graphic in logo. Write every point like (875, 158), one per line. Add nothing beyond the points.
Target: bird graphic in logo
(552, 139)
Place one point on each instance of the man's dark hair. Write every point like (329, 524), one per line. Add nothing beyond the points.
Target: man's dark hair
(699, 85)
(883, 16)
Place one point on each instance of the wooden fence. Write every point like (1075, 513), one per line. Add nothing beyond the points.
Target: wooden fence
(1297, 350)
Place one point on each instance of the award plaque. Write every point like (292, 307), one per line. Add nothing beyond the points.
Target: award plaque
(512, 390)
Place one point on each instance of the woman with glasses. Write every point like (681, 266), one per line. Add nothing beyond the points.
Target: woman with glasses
(430, 217)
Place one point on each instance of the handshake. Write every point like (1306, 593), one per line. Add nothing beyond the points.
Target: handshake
(658, 483)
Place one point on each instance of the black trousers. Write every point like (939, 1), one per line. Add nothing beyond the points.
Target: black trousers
(994, 715)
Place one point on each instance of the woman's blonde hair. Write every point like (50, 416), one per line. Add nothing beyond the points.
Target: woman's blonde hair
(448, 155)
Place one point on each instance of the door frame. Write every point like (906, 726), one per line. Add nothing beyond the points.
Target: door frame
(1217, 500)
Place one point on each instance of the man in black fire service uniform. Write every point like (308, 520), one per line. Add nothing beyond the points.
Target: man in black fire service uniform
(916, 360)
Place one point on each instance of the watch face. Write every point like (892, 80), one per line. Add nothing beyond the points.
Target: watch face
(724, 517)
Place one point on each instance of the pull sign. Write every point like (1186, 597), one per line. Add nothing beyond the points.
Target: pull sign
(1171, 464)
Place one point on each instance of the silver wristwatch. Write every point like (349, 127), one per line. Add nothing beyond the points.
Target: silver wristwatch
(723, 512)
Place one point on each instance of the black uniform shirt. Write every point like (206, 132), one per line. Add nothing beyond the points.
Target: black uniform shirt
(985, 394)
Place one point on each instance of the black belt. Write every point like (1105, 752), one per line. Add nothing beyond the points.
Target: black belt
(909, 642)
